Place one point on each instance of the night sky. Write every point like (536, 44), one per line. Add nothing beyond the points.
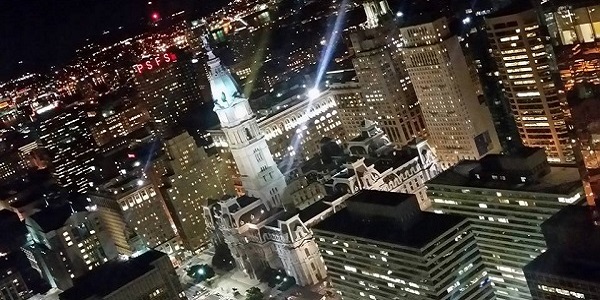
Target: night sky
(42, 33)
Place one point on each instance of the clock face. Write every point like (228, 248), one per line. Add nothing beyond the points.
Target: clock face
(240, 112)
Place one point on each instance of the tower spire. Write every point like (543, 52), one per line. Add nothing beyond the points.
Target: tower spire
(259, 174)
(223, 86)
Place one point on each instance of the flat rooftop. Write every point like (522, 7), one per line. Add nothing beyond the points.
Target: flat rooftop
(111, 276)
(562, 180)
(426, 229)
(553, 264)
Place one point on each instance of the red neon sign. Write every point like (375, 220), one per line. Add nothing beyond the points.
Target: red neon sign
(155, 62)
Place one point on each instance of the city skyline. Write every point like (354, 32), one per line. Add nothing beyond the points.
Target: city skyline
(301, 149)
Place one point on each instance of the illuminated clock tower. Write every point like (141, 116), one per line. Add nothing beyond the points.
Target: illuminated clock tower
(259, 174)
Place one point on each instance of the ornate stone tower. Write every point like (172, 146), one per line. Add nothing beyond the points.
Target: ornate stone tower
(259, 174)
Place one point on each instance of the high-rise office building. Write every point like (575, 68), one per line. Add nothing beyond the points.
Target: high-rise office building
(569, 268)
(584, 104)
(132, 208)
(117, 120)
(570, 21)
(63, 132)
(18, 280)
(459, 124)
(168, 85)
(258, 172)
(388, 96)
(12, 284)
(350, 105)
(148, 276)
(507, 198)
(524, 61)
(477, 44)
(66, 241)
(190, 179)
(579, 64)
(382, 246)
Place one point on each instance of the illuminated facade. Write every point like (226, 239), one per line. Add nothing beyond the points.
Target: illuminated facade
(259, 174)
(350, 105)
(459, 125)
(261, 237)
(117, 122)
(63, 132)
(168, 89)
(294, 128)
(584, 104)
(536, 101)
(376, 164)
(134, 211)
(67, 241)
(506, 199)
(579, 64)
(191, 178)
(255, 227)
(572, 22)
(388, 96)
(419, 255)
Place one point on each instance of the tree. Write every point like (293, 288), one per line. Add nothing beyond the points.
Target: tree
(222, 260)
(254, 293)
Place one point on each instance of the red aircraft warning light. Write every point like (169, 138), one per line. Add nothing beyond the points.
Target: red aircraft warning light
(155, 16)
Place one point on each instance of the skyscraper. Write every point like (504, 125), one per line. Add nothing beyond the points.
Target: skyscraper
(132, 207)
(168, 85)
(584, 104)
(117, 120)
(524, 61)
(459, 124)
(259, 174)
(569, 268)
(63, 132)
(382, 246)
(190, 179)
(388, 96)
(67, 240)
(506, 198)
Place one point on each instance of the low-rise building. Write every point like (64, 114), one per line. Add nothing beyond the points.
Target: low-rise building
(261, 238)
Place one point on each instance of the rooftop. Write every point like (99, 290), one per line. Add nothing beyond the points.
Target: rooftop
(245, 200)
(381, 198)
(111, 276)
(562, 180)
(313, 210)
(55, 215)
(427, 227)
(553, 264)
(514, 8)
